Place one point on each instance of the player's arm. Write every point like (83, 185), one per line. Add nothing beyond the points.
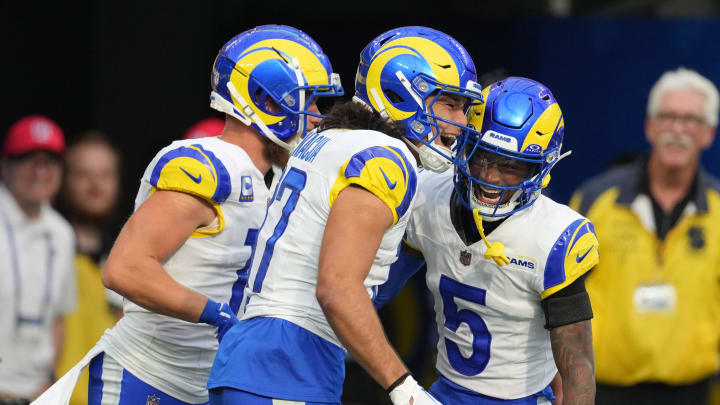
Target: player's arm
(573, 353)
(158, 228)
(567, 309)
(373, 190)
(409, 261)
(355, 227)
(556, 385)
(567, 314)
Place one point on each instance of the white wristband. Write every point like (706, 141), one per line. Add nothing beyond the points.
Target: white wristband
(410, 389)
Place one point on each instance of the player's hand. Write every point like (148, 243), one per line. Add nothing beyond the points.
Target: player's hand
(220, 316)
(411, 393)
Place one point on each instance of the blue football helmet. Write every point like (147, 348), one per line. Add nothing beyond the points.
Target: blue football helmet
(400, 69)
(275, 61)
(519, 129)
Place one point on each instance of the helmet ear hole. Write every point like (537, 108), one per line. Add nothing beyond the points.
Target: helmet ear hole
(271, 106)
(266, 103)
(393, 97)
(258, 98)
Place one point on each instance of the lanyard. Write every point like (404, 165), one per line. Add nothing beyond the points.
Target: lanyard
(15, 260)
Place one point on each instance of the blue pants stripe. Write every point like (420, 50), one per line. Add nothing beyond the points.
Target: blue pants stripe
(231, 396)
(132, 390)
(95, 387)
(448, 392)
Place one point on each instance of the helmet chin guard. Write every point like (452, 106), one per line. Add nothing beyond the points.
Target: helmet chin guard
(429, 158)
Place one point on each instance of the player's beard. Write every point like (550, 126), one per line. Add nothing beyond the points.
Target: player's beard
(276, 154)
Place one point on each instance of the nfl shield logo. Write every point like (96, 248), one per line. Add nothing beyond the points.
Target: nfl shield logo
(465, 257)
(153, 400)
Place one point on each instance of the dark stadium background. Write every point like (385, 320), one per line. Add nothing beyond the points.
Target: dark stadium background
(139, 71)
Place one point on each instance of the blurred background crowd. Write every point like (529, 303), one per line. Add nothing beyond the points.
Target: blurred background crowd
(94, 89)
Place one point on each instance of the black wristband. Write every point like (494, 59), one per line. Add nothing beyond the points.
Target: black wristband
(397, 382)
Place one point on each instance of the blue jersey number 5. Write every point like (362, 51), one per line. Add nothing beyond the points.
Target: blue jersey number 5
(476, 363)
(295, 182)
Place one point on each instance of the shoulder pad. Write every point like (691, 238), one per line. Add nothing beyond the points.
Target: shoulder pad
(573, 254)
(193, 170)
(385, 172)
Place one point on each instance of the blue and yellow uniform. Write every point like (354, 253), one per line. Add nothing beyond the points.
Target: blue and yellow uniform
(165, 356)
(656, 293)
(284, 348)
(493, 343)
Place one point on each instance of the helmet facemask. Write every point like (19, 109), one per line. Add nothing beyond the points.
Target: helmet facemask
(429, 129)
(499, 183)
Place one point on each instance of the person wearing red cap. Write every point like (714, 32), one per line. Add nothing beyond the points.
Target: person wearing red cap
(37, 285)
(202, 129)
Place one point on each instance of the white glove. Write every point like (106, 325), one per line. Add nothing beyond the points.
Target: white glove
(410, 389)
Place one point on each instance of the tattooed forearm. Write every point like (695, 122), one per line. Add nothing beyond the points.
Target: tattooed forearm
(573, 352)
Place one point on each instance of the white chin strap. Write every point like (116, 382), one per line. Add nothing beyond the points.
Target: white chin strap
(429, 159)
(248, 117)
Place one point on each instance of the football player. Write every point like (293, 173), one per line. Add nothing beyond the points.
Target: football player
(182, 258)
(505, 264)
(334, 224)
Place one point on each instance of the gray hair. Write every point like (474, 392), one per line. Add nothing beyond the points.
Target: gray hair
(681, 79)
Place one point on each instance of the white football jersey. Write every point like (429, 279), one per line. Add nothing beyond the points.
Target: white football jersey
(167, 353)
(490, 320)
(285, 263)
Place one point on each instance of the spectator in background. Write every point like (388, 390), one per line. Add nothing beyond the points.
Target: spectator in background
(37, 284)
(88, 200)
(655, 293)
(205, 128)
